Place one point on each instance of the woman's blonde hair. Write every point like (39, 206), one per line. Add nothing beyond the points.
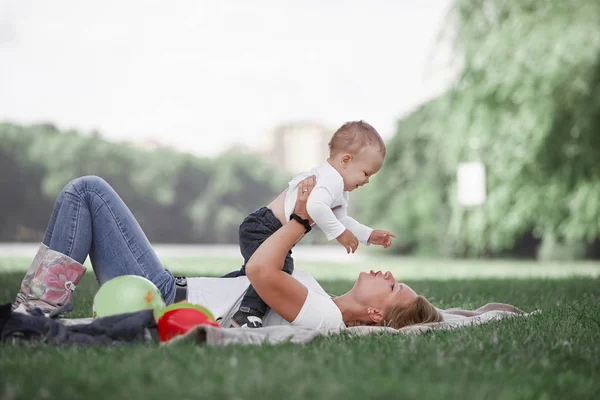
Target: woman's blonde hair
(421, 311)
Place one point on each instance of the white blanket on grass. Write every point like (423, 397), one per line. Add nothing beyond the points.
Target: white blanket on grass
(454, 318)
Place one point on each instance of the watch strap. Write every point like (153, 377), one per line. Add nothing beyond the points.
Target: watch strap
(303, 221)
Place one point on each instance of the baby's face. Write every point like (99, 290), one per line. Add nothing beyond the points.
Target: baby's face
(357, 171)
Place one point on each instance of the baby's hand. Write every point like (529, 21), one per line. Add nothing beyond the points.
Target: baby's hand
(348, 240)
(381, 238)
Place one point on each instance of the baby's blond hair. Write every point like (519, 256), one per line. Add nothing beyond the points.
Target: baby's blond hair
(353, 136)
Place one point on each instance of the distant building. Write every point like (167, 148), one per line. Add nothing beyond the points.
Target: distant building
(298, 147)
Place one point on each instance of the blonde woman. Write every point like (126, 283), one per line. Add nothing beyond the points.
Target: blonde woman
(90, 219)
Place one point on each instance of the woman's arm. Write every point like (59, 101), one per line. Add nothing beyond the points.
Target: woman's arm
(283, 293)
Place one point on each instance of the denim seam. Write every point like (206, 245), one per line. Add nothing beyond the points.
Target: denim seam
(100, 208)
(74, 231)
(118, 222)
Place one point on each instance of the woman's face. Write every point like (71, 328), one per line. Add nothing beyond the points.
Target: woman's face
(381, 291)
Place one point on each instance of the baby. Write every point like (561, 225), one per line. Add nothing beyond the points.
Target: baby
(356, 152)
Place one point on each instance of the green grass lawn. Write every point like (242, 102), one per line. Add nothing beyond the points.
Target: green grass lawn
(401, 267)
(552, 355)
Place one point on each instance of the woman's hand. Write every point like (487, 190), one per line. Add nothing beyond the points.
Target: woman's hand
(304, 189)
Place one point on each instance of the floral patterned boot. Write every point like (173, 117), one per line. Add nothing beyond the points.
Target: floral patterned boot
(49, 282)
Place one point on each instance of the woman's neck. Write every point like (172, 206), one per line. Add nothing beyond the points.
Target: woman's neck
(350, 309)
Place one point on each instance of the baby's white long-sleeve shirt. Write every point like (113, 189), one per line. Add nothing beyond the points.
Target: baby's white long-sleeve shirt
(328, 193)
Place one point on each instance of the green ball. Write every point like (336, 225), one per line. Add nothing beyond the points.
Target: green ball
(125, 294)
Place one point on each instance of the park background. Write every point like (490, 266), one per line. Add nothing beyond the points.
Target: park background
(199, 112)
(514, 86)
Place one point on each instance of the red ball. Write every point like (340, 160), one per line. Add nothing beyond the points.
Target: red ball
(180, 321)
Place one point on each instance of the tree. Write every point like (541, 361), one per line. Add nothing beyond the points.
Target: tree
(176, 197)
(527, 104)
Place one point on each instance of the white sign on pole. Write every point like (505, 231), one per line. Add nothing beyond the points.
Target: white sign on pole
(470, 178)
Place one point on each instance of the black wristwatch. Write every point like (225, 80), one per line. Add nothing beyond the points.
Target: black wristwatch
(302, 221)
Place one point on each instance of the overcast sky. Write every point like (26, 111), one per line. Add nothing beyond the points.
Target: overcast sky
(204, 75)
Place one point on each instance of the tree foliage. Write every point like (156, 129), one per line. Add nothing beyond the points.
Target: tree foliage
(526, 104)
(176, 197)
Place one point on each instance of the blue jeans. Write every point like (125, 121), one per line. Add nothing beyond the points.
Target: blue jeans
(90, 218)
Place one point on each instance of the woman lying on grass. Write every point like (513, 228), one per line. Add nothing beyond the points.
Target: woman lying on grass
(89, 218)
